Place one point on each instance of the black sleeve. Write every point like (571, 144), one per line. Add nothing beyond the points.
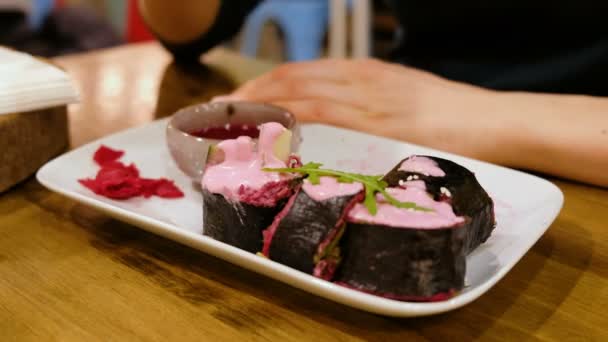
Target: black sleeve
(230, 18)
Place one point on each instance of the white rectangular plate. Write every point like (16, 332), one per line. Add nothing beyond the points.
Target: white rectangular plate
(525, 207)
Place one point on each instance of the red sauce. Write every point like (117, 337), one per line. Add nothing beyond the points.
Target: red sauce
(228, 132)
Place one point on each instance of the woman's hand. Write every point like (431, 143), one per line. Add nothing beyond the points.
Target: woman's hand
(377, 97)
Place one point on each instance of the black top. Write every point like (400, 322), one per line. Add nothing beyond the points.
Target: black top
(533, 45)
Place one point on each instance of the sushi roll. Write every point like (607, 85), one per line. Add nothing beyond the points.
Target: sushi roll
(449, 182)
(305, 234)
(240, 199)
(404, 254)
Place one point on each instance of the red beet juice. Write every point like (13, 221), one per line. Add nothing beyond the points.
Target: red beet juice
(230, 131)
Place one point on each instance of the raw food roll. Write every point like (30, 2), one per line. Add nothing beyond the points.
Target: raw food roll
(449, 182)
(404, 254)
(240, 199)
(305, 234)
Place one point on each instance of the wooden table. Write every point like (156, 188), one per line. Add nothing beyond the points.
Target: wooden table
(68, 272)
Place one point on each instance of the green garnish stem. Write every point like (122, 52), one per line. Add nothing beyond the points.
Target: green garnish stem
(372, 184)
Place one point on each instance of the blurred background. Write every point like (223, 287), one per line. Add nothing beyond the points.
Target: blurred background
(58, 27)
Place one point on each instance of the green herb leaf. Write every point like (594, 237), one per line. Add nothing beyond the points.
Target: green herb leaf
(312, 165)
(343, 179)
(314, 178)
(370, 200)
(373, 184)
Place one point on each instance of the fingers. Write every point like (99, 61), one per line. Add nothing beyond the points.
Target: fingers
(290, 89)
(326, 112)
(328, 70)
(287, 80)
(324, 69)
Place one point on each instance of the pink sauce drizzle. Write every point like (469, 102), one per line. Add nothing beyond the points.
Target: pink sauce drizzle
(329, 187)
(242, 165)
(422, 165)
(420, 184)
(389, 215)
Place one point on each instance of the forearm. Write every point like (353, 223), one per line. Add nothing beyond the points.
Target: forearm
(179, 22)
(563, 135)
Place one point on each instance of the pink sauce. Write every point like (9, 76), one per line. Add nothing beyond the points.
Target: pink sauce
(422, 165)
(389, 215)
(229, 131)
(242, 165)
(329, 187)
(414, 183)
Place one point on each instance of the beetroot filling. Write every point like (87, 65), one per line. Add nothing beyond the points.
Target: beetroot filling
(267, 196)
(271, 230)
(326, 268)
(340, 223)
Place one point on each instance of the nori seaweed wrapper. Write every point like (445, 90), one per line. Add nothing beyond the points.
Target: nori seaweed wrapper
(306, 225)
(403, 263)
(467, 196)
(238, 223)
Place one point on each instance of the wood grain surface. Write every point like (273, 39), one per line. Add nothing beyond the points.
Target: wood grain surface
(70, 273)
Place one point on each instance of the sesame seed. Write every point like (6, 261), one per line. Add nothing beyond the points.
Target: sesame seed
(445, 191)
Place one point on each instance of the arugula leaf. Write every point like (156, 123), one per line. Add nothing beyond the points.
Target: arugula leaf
(370, 201)
(343, 179)
(314, 178)
(312, 165)
(373, 184)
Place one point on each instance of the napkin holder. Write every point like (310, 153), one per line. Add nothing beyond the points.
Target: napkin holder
(28, 140)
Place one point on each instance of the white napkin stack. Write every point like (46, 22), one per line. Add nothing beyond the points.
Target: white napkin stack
(27, 83)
